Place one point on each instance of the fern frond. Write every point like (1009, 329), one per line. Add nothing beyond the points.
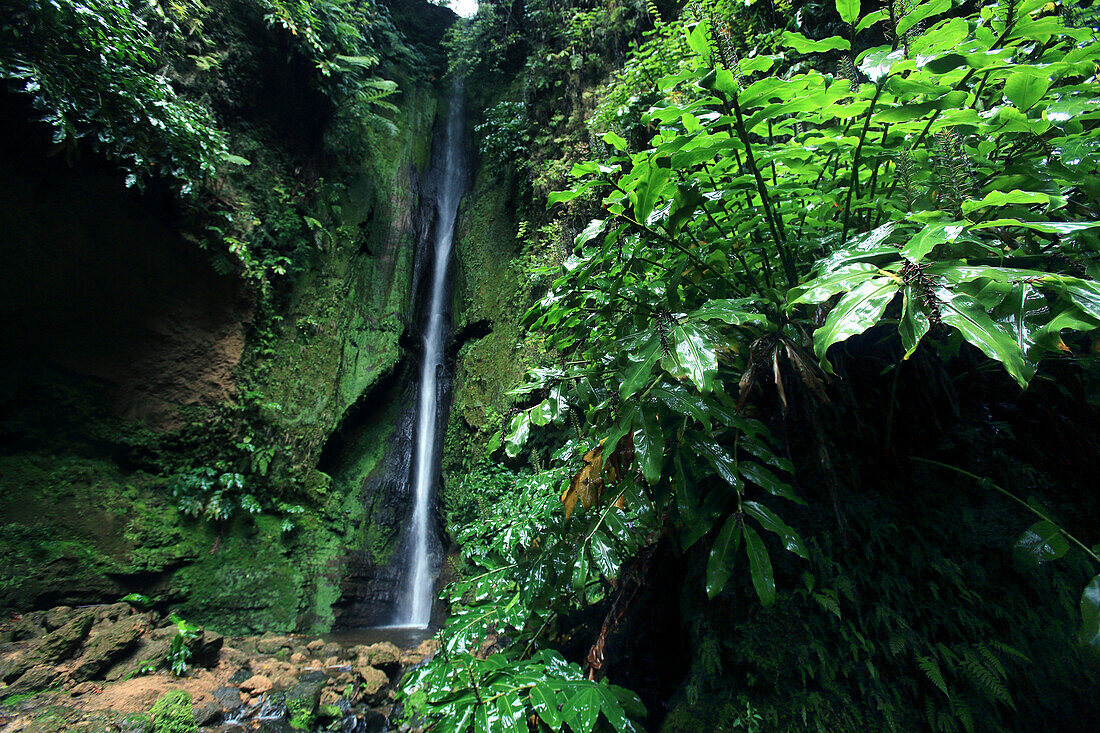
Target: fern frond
(931, 669)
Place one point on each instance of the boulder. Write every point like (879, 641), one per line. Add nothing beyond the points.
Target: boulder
(29, 626)
(85, 688)
(315, 646)
(381, 653)
(107, 647)
(332, 649)
(58, 616)
(54, 647)
(148, 654)
(113, 612)
(229, 698)
(35, 679)
(207, 713)
(301, 703)
(271, 644)
(257, 685)
(373, 678)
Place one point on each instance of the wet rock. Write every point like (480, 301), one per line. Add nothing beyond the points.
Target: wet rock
(208, 713)
(332, 649)
(229, 698)
(302, 700)
(257, 685)
(29, 626)
(240, 676)
(298, 658)
(315, 646)
(107, 647)
(55, 647)
(211, 646)
(372, 722)
(381, 653)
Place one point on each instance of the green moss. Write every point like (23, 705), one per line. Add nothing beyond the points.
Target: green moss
(172, 713)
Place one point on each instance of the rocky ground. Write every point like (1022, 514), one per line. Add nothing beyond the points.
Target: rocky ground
(109, 668)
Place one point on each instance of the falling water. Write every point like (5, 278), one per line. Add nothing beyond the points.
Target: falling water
(415, 608)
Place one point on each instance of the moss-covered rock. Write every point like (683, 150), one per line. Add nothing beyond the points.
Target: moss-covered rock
(172, 713)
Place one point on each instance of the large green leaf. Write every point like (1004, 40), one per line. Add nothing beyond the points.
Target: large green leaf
(733, 311)
(801, 44)
(638, 372)
(1090, 614)
(767, 480)
(722, 556)
(855, 313)
(970, 319)
(760, 566)
(516, 438)
(848, 10)
(919, 13)
(929, 237)
(770, 521)
(581, 707)
(693, 355)
(1085, 294)
(914, 322)
(821, 288)
(649, 445)
(546, 701)
(1042, 542)
(1024, 89)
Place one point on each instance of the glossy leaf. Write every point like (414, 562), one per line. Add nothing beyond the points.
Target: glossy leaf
(760, 566)
(1042, 542)
(961, 312)
(920, 12)
(770, 521)
(723, 554)
(929, 237)
(801, 44)
(848, 10)
(857, 311)
(639, 372)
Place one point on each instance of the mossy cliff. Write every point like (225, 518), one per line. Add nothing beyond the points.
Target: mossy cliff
(172, 418)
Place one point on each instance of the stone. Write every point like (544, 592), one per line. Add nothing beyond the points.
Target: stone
(85, 688)
(54, 647)
(428, 648)
(229, 698)
(298, 658)
(271, 644)
(107, 647)
(35, 679)
(58, 616)
(302, 700)
(373, 678)
(383, 653)
(240, 676)
(283, 680)
(330, 697)
(207, 713)
(257, 685)
(374, 722)
(136, 723)
(29, 626)
(315, 646)
(113, 612)
(147, 654)
(332, 649)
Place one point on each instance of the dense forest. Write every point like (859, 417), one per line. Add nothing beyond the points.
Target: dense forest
(575, 365)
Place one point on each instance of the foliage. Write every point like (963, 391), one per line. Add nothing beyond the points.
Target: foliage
(941, 188)
(462, 691)
(181, 650)
(94, 72)
(503, 136)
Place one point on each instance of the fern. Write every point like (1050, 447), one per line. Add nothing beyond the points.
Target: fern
(931, 670)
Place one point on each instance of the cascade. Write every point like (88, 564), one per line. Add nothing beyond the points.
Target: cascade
(415, 607)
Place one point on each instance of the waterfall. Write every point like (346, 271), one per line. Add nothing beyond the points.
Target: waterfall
(416, 604)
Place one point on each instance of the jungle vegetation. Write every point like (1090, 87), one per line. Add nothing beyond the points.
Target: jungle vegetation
(775, 202)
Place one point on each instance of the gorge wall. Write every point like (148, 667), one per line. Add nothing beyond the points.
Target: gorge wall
(138, 360)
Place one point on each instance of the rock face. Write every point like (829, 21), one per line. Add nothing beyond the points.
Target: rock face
(55, 647)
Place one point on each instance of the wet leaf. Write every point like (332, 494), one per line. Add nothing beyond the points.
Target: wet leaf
(1042, 542)
(760, 566)
(723, 553)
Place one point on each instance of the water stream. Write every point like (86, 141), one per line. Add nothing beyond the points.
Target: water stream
(414, 609)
